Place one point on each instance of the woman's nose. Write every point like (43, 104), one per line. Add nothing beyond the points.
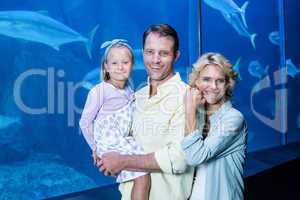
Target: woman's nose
(213, 84)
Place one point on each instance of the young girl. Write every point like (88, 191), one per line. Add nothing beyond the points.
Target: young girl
(107, 115)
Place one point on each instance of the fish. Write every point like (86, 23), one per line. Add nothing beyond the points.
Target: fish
(257, 70)
(274, 38)
(38, 27)
(235, 16)
(236, 68)
(292, 70)
(6, 121)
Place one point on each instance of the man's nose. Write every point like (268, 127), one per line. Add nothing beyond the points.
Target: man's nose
(156, 57)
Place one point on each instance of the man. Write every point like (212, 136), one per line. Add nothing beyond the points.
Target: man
(158, 123)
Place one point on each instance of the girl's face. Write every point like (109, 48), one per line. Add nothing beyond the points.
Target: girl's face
(119, 64)
(211, 81)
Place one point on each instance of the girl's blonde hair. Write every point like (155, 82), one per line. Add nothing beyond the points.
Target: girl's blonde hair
(117, 43)
(219, 60)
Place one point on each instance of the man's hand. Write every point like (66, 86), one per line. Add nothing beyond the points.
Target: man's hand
(111, 163)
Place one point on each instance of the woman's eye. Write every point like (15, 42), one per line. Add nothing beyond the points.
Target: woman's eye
(220, 81)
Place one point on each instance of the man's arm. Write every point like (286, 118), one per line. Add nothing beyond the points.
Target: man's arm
(141, 163)
(112, 163)
(168, 159)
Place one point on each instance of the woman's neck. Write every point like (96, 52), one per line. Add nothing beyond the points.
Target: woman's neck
(212, 108)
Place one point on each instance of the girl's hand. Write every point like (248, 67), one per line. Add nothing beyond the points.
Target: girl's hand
(96, 159)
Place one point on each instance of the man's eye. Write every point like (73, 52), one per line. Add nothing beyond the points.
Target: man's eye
(149, 52)
(164, 54)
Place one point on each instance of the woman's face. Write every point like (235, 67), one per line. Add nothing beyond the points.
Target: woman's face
(211, 82)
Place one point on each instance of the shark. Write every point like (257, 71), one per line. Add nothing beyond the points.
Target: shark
(38, 27)
(234, 15)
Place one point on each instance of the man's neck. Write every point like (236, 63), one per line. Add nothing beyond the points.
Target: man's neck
(155, 84)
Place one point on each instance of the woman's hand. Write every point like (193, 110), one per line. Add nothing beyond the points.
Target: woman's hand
(193, 99)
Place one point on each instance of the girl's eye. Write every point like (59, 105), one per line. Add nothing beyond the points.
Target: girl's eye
(206, 79)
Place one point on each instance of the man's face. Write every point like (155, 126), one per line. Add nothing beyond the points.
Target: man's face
(158, 54)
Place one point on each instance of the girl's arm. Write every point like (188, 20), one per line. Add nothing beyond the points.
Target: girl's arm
(92, 105)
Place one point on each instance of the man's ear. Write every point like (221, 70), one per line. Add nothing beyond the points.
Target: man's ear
(177, 55)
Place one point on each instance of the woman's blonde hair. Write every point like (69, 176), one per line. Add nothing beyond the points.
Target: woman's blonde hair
(219, 60)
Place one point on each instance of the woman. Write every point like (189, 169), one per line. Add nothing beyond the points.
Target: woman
(216, 132)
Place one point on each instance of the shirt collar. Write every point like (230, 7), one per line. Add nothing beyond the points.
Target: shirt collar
(165, 86)
(221, 111)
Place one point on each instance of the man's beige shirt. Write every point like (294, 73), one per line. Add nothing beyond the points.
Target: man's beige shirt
(158, 126)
